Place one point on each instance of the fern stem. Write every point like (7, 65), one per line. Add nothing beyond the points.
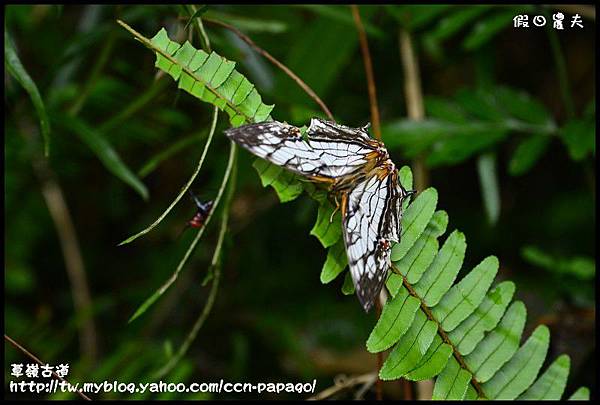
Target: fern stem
(169, 57)
(442, 333)
(230, 180)
(364, 47)
(277, 63)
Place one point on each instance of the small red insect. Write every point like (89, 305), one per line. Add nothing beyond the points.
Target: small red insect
(199, 218)
(203, 210)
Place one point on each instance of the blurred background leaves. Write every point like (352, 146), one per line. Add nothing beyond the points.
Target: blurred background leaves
(508, 141)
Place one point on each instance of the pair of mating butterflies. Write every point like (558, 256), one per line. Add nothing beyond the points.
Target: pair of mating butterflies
(359, 174)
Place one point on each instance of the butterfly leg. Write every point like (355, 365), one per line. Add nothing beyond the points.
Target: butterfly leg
(337, 207)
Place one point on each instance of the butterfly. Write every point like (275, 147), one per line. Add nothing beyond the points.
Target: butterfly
(359, 174)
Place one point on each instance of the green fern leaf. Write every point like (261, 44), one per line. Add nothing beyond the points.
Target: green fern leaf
(465, 297)
(396, 317)
(336, 262)
(441, 274)
(516, 375)
(285, 183)
(410, 349)
(471, 331)
(452, 383)
(582, 394)
(551, 384)
(414, 221)
(432, 363)
(421, 255)
(500, 345)
(327, 229)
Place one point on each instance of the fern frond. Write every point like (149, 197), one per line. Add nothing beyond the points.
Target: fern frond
(465, 333)
(209, 77)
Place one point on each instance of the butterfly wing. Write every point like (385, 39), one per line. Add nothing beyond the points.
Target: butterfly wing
(371, 218)
(332, 150)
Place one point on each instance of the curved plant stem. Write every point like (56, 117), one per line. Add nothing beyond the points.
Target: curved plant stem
(187, 185)
(364, 48)
(215, 265)
(274, 61)
(38, 361)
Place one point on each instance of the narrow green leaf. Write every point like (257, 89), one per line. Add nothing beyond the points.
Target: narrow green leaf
(285, 183)
(487, 28)
(581, 267)
(433, 362)
(464, 297)
(445, 110)
(414, 221)
(327, 229)
(336, 262)
(415, 262)
(420, 255)
(580, 138)
(348, 286)
(524, 107)
(488, 180)
(516, 375)
(438, 224)
(552, 383)
(197, 14)
(410, 349)
(405, 177)
(463, 146)
(105, 152)
(499, 345)
(416, 16)
(455, 21)
(527, 154)
(471, 394)
(396, 317)
(15, 68)
(441, 274)
(582, 394)
(452, 383)
(485, 318)
(248, 22)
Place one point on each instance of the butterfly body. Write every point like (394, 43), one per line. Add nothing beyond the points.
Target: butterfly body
(360, 175)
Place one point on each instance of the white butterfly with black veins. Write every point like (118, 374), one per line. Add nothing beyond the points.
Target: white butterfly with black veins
(359, 173)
